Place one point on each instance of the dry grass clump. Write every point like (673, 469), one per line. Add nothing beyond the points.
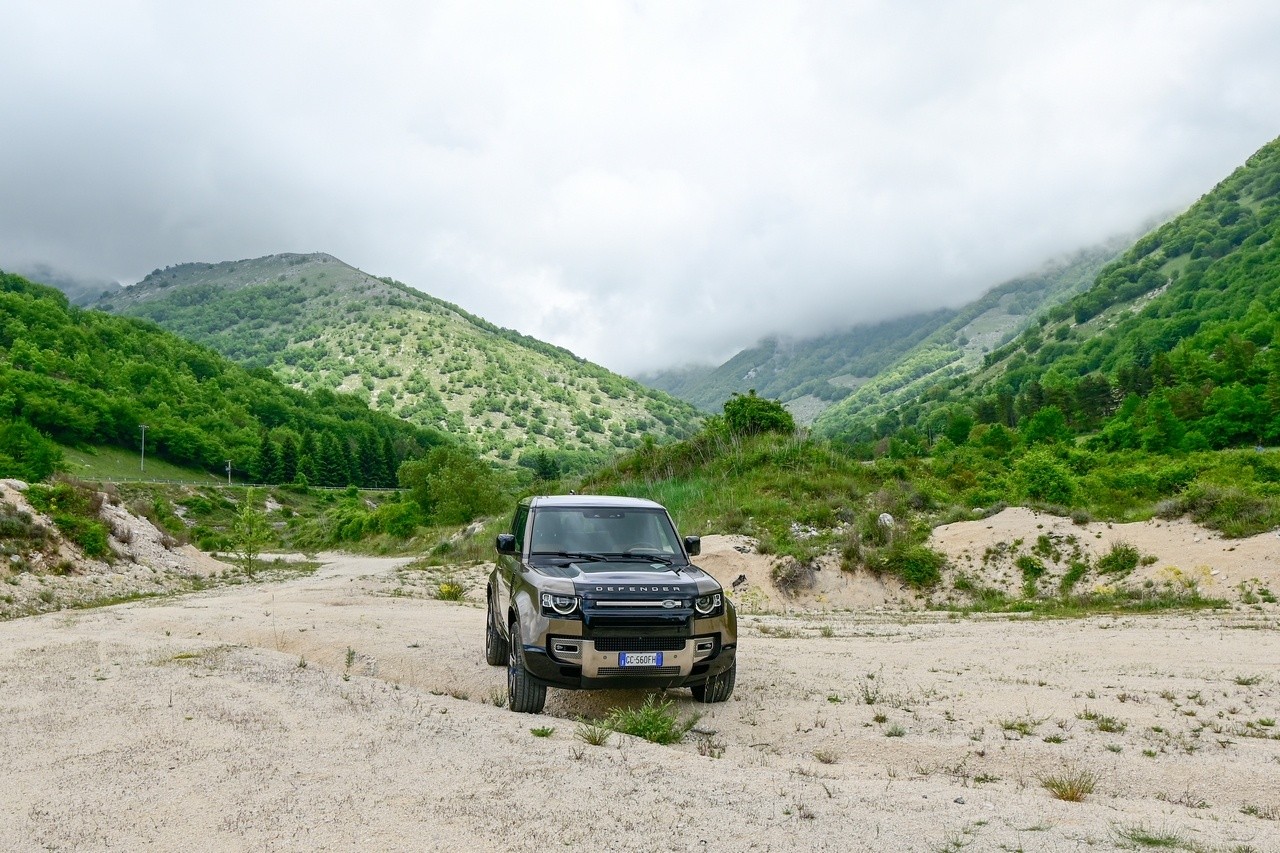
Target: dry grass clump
(1071, 784)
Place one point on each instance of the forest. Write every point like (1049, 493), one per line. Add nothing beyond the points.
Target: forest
(76, 377)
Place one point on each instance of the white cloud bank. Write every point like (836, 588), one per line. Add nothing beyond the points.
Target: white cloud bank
(647, 184)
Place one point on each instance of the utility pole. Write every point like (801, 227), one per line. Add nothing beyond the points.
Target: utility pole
(228, 472)
(143, 427)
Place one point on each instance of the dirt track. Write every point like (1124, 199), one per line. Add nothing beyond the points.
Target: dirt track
(230, 720)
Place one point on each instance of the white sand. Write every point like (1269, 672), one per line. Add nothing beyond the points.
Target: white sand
(192, 723)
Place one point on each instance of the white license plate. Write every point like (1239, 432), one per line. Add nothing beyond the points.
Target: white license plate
(639, 658)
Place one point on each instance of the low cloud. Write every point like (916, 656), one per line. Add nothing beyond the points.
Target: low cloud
(646, 185)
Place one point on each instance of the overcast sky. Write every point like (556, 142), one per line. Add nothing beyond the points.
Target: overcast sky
(647, 184)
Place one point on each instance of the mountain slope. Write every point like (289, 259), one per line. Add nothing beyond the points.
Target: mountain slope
(869, 367)
(87, 378)
(80, 291)
(1173, 347)
(960, 345)
(317, 322)
(806, 374)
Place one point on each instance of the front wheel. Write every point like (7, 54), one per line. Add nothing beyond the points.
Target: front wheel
(524, 695)
(717, 688)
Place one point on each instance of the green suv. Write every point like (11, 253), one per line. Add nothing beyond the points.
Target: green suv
(593, 592)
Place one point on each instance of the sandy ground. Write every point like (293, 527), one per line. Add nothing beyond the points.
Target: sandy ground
(349, 711)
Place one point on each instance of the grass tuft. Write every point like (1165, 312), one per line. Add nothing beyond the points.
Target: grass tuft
(1071, 784)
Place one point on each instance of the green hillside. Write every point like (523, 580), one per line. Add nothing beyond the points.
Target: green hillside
(806, 374)
(84, 378)
(871, 368)
(1172, 348)
(318, 323)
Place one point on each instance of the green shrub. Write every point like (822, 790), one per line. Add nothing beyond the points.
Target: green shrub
(655, 720)
(917, 565)
(1120, 560)
(1043, 477)
(74, 510)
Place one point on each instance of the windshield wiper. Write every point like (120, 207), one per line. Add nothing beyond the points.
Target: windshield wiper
(572, 555)
(643, 558)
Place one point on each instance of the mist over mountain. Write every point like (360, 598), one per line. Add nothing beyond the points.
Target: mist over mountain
(79, 289)
(885, 363)
(1173, 347)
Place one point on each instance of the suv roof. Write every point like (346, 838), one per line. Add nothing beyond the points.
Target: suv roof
(590, 501)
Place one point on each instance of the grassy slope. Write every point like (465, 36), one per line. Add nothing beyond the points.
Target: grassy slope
(114, 463)
(317, 322)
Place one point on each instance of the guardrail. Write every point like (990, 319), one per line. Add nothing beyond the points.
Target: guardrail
(221, 485)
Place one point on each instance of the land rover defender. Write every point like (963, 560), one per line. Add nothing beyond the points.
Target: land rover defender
(598, 592)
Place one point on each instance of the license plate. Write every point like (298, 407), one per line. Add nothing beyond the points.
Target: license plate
(639, 658)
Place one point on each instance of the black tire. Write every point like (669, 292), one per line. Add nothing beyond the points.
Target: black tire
(717, 688)
(524, 695)
(495, 645)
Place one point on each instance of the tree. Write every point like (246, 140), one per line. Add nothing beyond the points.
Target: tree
(249, 533)
(1046, 426)
(452, 486)
(751, 415)
(268, 463)
(1044, 478)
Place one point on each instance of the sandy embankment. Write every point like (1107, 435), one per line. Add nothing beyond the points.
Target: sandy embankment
(230, 719)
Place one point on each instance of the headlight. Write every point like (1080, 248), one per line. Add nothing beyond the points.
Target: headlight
(564, 605)
(708, 605)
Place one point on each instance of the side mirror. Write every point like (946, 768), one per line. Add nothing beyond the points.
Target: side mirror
(505, 543)
(693, 544)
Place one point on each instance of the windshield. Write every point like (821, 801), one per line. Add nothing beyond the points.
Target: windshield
(606, 532)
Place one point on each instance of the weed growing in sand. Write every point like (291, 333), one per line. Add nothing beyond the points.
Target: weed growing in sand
(498, 697)
(1120, 560)
(1110, 725)
(870, 689)
(826, 756)
(351, 659)
(1248, 680)
(1102, 722)
(302, 663)
(895, 730)
(543, 731)
(450, 590)
(1071, 784)
(1263, 812)
(656, 720)
(1024, 725)
(709, 747)
(1143, 837)
(592, 733)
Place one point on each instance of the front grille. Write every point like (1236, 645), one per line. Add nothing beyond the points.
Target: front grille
(638, 670)
(639, 644)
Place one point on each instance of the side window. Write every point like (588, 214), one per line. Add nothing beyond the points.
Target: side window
(518, 526)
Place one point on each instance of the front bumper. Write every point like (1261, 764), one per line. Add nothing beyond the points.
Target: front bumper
(567, 658)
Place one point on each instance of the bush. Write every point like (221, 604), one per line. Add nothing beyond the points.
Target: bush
(74, 510)
(917, 565)
(654, 721)
(752, 415)
(1120, 560)
(1042, 477)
